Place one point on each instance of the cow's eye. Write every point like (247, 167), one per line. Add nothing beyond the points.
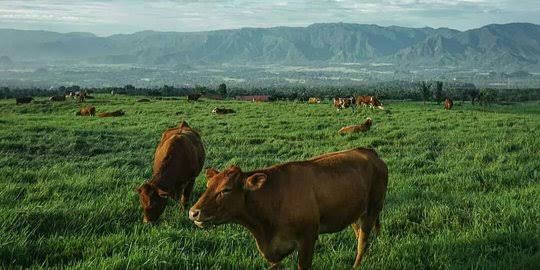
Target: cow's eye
(226, 191)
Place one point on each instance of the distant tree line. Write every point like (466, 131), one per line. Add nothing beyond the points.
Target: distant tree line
(396, 90)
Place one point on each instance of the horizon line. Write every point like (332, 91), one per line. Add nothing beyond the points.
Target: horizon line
(271, 27)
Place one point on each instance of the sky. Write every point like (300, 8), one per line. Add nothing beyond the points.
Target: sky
(106, 17)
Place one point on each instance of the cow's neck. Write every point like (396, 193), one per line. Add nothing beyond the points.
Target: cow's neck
(260, 227)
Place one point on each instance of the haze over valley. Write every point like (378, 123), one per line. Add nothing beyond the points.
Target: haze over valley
(338, 54)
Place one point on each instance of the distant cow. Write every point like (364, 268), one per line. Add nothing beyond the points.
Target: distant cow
(178, 160)
(287, 206)
(255, 98)
(143, 100)
(87, 111)
(223, 111)
(314, 100)
(343, 103)
(23, 100)
(193, 97)
(357, 128)
(369, 100)
(57, 98)
(112, 114)
(448, 104)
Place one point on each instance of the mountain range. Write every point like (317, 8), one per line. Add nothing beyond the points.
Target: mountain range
(499, 47)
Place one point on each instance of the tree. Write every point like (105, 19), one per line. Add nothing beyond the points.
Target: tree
(438, 92)
(73, 88)
(199, 89)
(222, 89)
(167, 90)
(473, 94)
(424, 90)
(486, 97)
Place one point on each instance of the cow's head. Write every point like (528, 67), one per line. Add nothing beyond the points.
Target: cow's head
(224, 198)
(376, 103)
(153, 201)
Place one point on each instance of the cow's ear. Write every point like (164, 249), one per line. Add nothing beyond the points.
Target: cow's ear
(183, 124)
(255, 181)
(211, 172)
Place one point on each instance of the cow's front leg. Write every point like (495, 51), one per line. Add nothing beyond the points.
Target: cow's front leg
(185, 195)
(306, 249)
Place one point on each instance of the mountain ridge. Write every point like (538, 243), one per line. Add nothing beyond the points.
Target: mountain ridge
(513, 46)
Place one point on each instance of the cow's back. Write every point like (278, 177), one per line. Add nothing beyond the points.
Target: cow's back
(179, 155)
(337, 187)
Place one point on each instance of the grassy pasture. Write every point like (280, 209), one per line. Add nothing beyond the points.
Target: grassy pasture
(464, 189)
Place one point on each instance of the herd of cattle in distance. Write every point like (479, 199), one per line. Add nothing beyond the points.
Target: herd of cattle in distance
(286, 206)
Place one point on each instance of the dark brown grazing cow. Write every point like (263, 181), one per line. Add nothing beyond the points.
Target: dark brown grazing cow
(112, 114)
(357, 128)
(223, 111)
(143, 100)
(193, 97)
(448, 104)
(287, 206)
(178, 160)
(23, 100)
(87, 111)
(57, 98)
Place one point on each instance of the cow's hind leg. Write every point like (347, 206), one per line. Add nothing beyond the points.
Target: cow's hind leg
(362, 229)
(378, 225)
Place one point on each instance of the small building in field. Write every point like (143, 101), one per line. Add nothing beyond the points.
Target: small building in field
(259, 98)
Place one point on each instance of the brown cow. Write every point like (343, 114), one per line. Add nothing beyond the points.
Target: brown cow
(357, 128)
(112, 114)
(23, 100)
(178, 160)
(369, 100)
(223, 111)
(193, 97)
(448, 104)
(314, 100)
(57, 98)
(287, 206)
(87, 111)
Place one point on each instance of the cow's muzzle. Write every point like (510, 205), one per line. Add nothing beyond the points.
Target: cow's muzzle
(195, 216)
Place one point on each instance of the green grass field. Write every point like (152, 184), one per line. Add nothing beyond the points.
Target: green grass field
(464, 187)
